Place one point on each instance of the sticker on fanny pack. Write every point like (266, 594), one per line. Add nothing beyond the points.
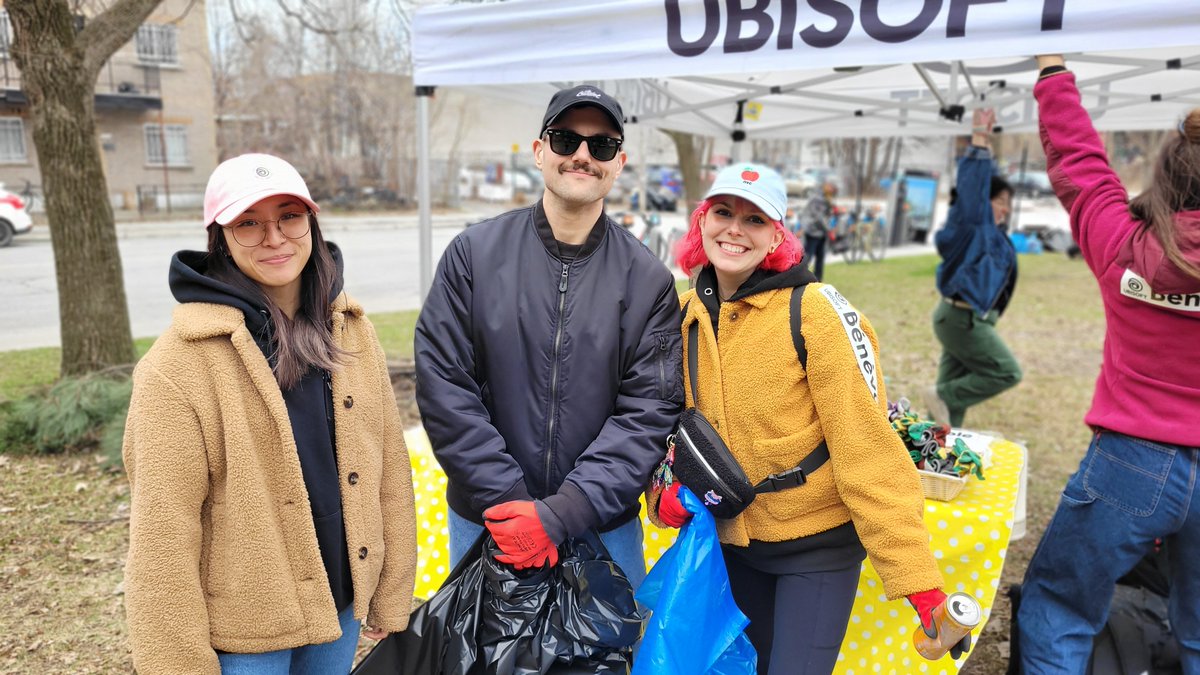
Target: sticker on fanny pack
(864, 354)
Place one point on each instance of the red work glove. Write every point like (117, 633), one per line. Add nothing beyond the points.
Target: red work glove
(519, 533)
(670, 509)
(924, 602)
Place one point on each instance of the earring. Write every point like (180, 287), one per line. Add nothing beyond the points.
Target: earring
(771, 250)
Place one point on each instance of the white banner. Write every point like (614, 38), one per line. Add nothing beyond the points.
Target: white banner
(571, 40)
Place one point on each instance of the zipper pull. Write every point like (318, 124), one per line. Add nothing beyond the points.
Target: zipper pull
(662, 343)
(562, 282)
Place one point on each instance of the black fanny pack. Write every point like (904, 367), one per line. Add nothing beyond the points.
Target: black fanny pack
(701, 461)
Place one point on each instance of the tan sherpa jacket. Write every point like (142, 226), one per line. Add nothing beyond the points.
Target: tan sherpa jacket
(771, 413)
(223, 554)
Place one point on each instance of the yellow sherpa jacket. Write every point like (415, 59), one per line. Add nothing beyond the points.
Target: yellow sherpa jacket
(223, 554)
(771, 413)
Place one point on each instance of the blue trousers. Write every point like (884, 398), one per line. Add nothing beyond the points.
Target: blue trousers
(624, 544)
(323, 659)
(1126, 493)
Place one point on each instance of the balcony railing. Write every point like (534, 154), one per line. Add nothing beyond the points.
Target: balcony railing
(119, 85)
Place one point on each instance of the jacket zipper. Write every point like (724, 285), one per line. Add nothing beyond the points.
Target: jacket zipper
(704, 463)
(1000, 292)
(558, 335)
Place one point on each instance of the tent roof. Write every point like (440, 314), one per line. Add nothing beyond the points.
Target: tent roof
(862, 86)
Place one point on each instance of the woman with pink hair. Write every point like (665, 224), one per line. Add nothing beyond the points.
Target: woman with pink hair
(834, 483)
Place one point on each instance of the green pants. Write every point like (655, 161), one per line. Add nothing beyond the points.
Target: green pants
(976, 364)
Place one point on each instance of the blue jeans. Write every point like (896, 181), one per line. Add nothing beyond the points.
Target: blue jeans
(1127, 492)
(624, 544)
(322, 659)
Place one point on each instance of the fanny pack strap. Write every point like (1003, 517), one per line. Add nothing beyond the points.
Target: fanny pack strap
(775, 482)
(797, 476)
(693, 347)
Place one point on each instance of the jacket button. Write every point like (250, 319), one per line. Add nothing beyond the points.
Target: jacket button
(348, 401)
(362, 553)
(352, 478)
(733, 317)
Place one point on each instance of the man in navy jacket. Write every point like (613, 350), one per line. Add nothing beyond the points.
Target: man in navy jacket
(549, 359)
(976, 278)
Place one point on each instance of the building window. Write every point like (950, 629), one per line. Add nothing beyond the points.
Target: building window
(6, 34)
(175, 146)
(156, 43)
(12, 140)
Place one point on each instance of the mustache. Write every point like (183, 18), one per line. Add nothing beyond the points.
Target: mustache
(579, 166)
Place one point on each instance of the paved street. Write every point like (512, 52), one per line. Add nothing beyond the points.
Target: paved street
(381, 272)
(380, 253)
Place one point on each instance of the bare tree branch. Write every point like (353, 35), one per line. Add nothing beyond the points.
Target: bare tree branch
(186, 10)
(112, 28)
(309, 25)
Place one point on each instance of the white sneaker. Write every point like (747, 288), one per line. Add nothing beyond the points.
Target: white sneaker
(938, 410)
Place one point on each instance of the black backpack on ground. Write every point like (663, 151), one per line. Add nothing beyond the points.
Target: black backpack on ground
(1137, 636)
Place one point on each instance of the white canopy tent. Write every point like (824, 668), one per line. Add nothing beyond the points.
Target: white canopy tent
(781, 69)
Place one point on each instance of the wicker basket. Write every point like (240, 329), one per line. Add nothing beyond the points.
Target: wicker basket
(940, 486)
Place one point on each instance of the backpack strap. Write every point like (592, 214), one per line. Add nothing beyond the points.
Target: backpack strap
(797, 336)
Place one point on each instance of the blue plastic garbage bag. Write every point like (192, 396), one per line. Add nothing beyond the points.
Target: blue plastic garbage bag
(695, 627)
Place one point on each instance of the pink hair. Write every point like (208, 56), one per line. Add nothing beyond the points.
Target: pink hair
(689, 252)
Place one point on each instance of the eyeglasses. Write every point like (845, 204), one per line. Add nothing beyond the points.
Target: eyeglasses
(602, 148)
(252, 232)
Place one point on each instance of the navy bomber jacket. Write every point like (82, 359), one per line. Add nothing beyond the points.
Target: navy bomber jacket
(549, 376)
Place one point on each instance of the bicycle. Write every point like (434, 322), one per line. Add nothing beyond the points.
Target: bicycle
(861, 238)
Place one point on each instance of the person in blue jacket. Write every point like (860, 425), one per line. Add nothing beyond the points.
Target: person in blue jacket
(976, 279)
(549, 357)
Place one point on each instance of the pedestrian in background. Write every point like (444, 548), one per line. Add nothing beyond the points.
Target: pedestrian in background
(815, 222)
(271, 493)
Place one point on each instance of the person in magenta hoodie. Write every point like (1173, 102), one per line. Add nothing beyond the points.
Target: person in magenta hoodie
(1139, 478)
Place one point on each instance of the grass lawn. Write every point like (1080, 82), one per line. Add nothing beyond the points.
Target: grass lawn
(63, 540)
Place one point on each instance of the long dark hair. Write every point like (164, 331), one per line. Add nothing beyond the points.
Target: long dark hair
(302, 342)
(1175, 188)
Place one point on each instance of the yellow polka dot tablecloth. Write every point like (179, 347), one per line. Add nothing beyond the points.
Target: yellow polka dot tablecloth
(969, 538)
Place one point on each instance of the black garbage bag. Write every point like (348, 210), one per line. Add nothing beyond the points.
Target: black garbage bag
(490, 619)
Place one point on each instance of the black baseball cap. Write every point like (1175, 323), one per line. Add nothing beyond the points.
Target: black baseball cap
(584, 94)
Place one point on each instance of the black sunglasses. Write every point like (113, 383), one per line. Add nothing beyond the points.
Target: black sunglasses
(602, 148)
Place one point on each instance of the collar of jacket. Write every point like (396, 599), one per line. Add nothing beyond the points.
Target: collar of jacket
(754, 289)
(203, 320)
(546, 233)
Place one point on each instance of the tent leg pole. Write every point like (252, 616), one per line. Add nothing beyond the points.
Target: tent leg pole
(425, 211)
(643, 171)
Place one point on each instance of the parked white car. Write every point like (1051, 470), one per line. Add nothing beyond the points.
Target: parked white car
(14, 219)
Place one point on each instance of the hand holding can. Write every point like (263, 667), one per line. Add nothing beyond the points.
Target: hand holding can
(950, 628)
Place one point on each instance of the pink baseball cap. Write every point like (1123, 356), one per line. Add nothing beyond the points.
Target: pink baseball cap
(241, 182)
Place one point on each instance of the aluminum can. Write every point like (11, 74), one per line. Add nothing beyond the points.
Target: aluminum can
(953, 619)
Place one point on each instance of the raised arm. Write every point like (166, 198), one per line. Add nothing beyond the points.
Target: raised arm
(1078, 165)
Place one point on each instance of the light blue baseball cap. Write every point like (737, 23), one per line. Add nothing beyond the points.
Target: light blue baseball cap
(760, 185)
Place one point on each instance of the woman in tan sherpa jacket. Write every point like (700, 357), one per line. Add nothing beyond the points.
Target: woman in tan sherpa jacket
(797, 550)
(272, 504)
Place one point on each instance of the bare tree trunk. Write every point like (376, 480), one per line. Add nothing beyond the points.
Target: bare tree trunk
(689, 156)
(58, 71)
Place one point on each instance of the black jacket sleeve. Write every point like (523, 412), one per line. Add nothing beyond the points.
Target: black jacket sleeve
(466, 444)
(612, 472)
